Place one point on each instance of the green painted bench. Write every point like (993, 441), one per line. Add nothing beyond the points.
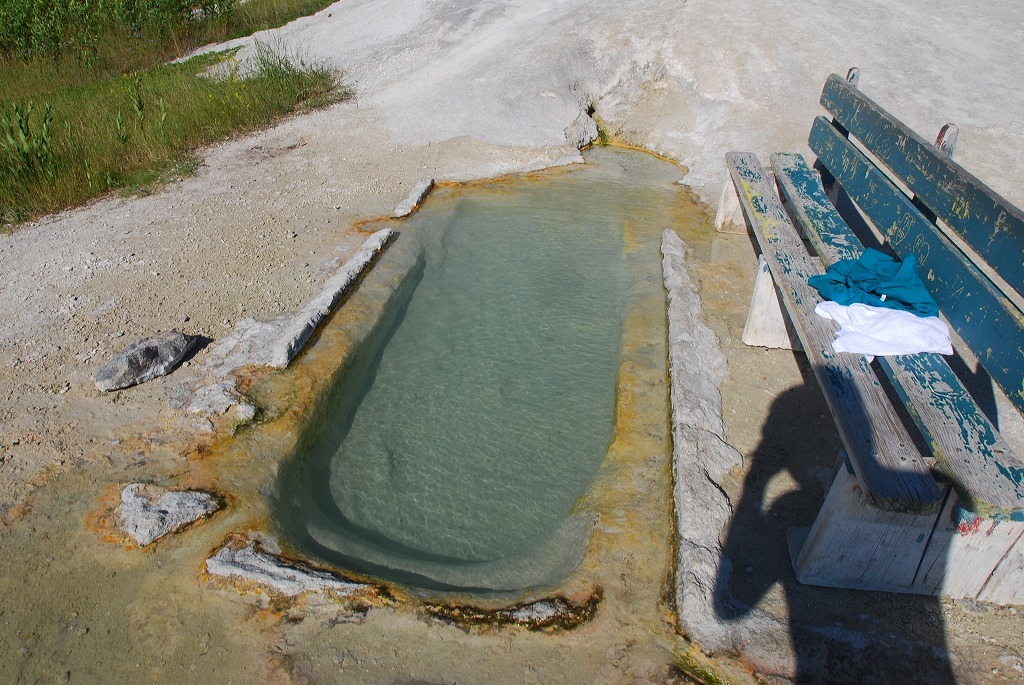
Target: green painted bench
(931, 500)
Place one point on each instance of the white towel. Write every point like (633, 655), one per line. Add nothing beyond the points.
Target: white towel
(877, 331)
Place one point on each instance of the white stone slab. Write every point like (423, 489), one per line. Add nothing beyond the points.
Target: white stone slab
(298, 331)
(148, 512)
(253, 564)
(413, 200)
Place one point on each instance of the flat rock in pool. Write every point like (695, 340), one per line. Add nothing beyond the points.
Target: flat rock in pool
(144, 360)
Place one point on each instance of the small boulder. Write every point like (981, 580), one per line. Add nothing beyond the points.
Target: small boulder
(581, 132)
(144, 360)
(148, 512)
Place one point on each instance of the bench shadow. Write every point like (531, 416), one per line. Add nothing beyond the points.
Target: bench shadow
(837, 636)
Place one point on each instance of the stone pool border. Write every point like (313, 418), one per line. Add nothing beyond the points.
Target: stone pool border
(414, 199)
(700, 459)
(275, 344)
(298, 331)
(551, 614)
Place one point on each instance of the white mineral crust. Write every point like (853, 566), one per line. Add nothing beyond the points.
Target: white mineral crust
(252, 564)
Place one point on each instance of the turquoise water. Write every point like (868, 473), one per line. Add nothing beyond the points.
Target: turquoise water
(453, 451)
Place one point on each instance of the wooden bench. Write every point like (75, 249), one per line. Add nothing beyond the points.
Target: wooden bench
(931, 500)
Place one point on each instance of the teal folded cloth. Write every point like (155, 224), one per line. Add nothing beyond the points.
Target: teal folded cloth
(878, 280)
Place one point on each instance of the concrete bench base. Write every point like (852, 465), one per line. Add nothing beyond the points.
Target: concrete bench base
(954, 553)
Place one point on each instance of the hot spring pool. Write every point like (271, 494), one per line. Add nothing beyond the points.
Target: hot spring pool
(454, 448)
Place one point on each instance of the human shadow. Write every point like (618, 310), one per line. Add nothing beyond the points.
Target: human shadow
(838, 636)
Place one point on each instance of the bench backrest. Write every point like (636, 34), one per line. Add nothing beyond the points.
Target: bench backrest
(975, 306)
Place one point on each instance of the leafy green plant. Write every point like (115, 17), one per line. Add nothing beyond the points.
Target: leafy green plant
(41, 28)
(122, 130)
(26, 148)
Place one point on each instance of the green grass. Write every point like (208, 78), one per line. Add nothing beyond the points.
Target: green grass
(90, 115)
(105, 32)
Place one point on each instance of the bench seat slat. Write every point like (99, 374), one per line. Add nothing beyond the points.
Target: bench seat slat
(885, 459)
(993, 227)
(981, 466)
(980, 313)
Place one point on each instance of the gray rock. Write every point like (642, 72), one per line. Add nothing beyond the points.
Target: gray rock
(253, 564)
(245, 412)
(144, 360)
(148, 512)
(581, 132)
(415, 197)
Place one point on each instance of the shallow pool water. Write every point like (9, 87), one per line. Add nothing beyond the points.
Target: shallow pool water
(453, 451)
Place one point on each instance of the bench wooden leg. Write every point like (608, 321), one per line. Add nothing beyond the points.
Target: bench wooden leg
(955, 553)
(730, 216)
(767, 325)
(853, 544)
(1006, 584)
(973, 556)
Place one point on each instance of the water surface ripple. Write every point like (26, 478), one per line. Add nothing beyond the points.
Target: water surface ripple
(453, 454)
